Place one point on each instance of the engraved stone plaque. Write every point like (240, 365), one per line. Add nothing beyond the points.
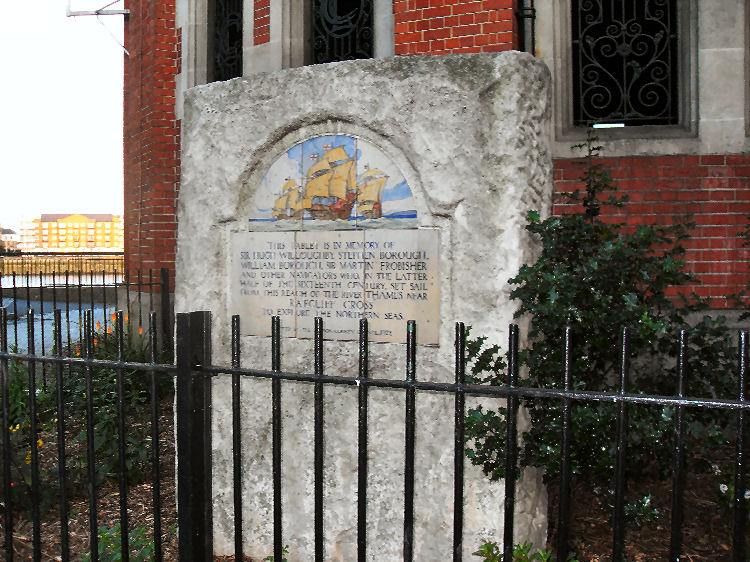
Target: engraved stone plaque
(387, 276)
(262, 283)
(403, 282)
(325, 263)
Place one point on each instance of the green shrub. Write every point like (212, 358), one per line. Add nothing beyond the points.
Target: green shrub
(136, 397)
(641, 511)
(284, 550)
(490, 552)
(725, 491)
(597, 276)
(19, 446)
(140, 545)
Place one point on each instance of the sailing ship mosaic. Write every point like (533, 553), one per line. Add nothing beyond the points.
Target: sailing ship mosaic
(337, 178)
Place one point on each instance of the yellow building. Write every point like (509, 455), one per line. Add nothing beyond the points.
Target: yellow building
(73, 233)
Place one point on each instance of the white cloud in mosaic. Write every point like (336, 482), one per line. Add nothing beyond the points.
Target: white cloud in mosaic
(373, 157)
(273, 182)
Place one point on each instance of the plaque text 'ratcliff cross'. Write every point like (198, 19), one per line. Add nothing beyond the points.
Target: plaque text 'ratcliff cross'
(387, 276)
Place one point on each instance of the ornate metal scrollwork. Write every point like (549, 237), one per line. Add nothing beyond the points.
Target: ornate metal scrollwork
(342, 30)
(625, 63)
(227, 39)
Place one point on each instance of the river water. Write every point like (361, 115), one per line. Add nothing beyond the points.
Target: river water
(74, 294)
(43, 323)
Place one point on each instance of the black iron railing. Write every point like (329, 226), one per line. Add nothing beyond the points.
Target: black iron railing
(103, 287)
(194, 372)
(85, 364)
(195, 377)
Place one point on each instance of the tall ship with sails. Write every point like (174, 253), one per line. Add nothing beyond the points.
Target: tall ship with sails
(289, 205)
(330, 190)
(331, 186)
(371, 185)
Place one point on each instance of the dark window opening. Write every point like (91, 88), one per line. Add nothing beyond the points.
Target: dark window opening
(342, 30)
(227, 39)
(625, 62)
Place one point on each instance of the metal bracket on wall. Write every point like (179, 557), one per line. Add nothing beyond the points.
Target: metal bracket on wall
(103, 11)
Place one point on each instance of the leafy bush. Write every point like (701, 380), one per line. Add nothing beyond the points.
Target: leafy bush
(725, 490)
(641, 511)
(136, 395)
(596, 277)
(490, 552)
(140, 546)
(284, 550)
(19, 447)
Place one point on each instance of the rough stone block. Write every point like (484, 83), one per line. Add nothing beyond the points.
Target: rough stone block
(470, 134)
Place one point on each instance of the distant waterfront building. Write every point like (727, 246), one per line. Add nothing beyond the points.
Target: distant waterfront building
(8, 239)
(73, 233)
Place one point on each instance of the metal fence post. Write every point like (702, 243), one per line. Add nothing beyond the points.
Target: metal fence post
(194, 513)
(166, 317)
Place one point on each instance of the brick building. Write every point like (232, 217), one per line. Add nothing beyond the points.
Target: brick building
(668, 79)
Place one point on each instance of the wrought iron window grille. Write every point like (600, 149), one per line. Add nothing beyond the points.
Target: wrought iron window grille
(342, 30)
(625, 62)
(227, 39)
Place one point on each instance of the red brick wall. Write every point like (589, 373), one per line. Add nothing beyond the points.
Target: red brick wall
(151, 134)
(262, 22)
(715, 189)
(437, 27)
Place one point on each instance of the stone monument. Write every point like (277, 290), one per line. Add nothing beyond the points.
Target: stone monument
(389, 189)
